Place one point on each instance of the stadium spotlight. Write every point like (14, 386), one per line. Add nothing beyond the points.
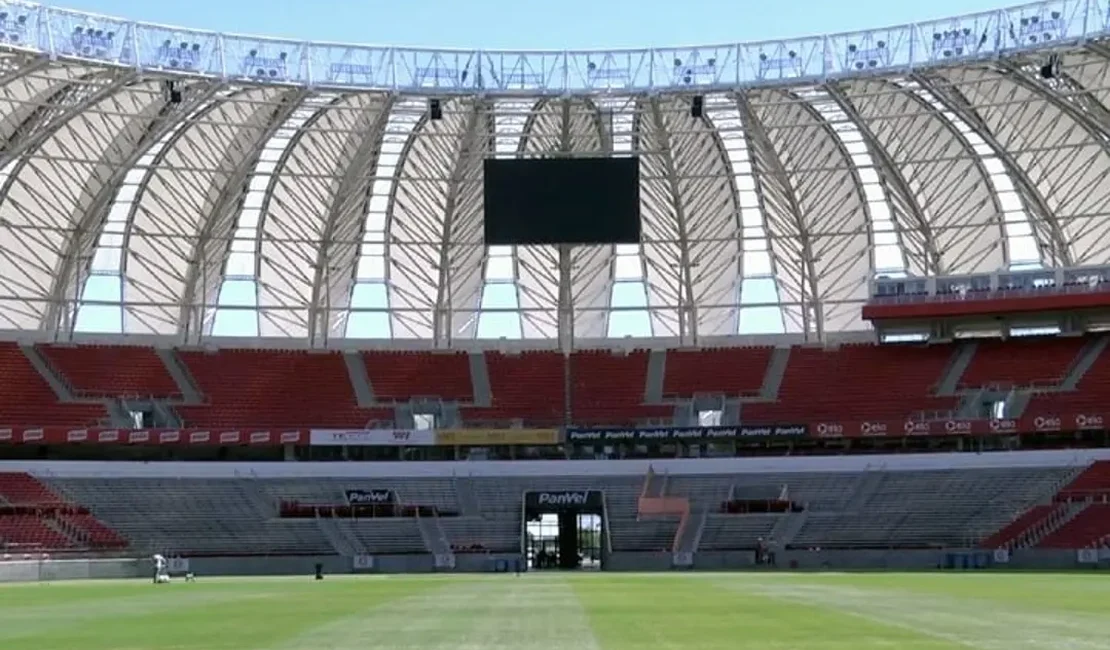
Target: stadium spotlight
(1051, 67)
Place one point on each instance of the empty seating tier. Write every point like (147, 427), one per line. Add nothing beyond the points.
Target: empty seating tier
(236, 516)
(56, 524)
(529, 385)
(26, 399)
(1093, 482)
(274, 388)
(608, 388)
(1089, 527)
(401, 376)
(858, 382)
(112, 370)
(735, 372)
(1020, 362)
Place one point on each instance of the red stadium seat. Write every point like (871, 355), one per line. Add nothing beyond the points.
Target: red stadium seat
(274, 388)
(529, 385)
(736, 372)
(401, 376)
(608, 388)
(857, 382)
(27, 400)
(1021, 362)
(112, 370)
(1086, 529)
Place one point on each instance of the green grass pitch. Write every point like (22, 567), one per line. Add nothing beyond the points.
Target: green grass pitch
(679, 611)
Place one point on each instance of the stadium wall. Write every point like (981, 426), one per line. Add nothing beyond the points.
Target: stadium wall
(77, 569)
(566, 468)
(836, 560)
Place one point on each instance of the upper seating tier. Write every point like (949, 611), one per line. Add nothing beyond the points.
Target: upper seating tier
(401, 376)
(266, 388)
(857, 382)
(112, 370)
(735, 372)
(1021, 362)
(26, 399)
(274, 388)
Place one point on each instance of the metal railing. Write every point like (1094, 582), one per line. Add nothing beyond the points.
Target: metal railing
(899, 49)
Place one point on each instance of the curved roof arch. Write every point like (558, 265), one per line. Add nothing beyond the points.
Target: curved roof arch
(144, 192)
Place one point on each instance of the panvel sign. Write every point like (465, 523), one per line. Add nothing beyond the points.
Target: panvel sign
(372, 438)
(370, 497)
(573, 500)
(686, 434)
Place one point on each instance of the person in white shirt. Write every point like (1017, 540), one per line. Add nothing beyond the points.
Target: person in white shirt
(160, 574)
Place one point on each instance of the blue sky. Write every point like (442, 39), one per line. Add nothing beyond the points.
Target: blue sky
(533, 24)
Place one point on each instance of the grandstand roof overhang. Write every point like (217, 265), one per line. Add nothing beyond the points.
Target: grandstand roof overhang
(169, 182)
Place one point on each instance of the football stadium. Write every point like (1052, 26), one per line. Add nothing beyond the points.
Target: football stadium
(790, 344)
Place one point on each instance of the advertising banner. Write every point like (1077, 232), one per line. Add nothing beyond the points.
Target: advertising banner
(495, 437)
(1087, 556)
(362, 562)
(372, 438)
(1035, 421)
(177, 437)
(371, 497)
(549, 500)
(685, 434)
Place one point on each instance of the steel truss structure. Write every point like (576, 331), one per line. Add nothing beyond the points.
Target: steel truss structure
(166, 182)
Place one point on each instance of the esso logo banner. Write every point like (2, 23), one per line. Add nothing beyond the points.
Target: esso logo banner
(873, 429)
(959, 427)
(917, 428)
(1047, 423)
(1089, 422)
(1004, 426)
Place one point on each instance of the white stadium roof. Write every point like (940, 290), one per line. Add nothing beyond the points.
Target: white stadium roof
(300, 192)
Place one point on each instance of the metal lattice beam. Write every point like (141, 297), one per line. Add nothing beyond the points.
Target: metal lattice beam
(768, 168)
(89, 225)
(895, 183)
(687, 309)
(351, 195)
(1043, 220)
(196, 280)
(469, 140)
(36, 138)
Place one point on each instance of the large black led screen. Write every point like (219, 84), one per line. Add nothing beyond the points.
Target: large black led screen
(562, 201)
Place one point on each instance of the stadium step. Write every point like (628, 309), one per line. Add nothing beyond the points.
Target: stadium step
(344, 541)
(479, 380)
(690, 532)
(776, 370)
(949, 382)
(656, 370)
(788, 527)
(467, 497)
(433, 536)
(190, 392)
(866, 487)
(1086, 358)
(1058, 519)
(60, 387)
(360, 380)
